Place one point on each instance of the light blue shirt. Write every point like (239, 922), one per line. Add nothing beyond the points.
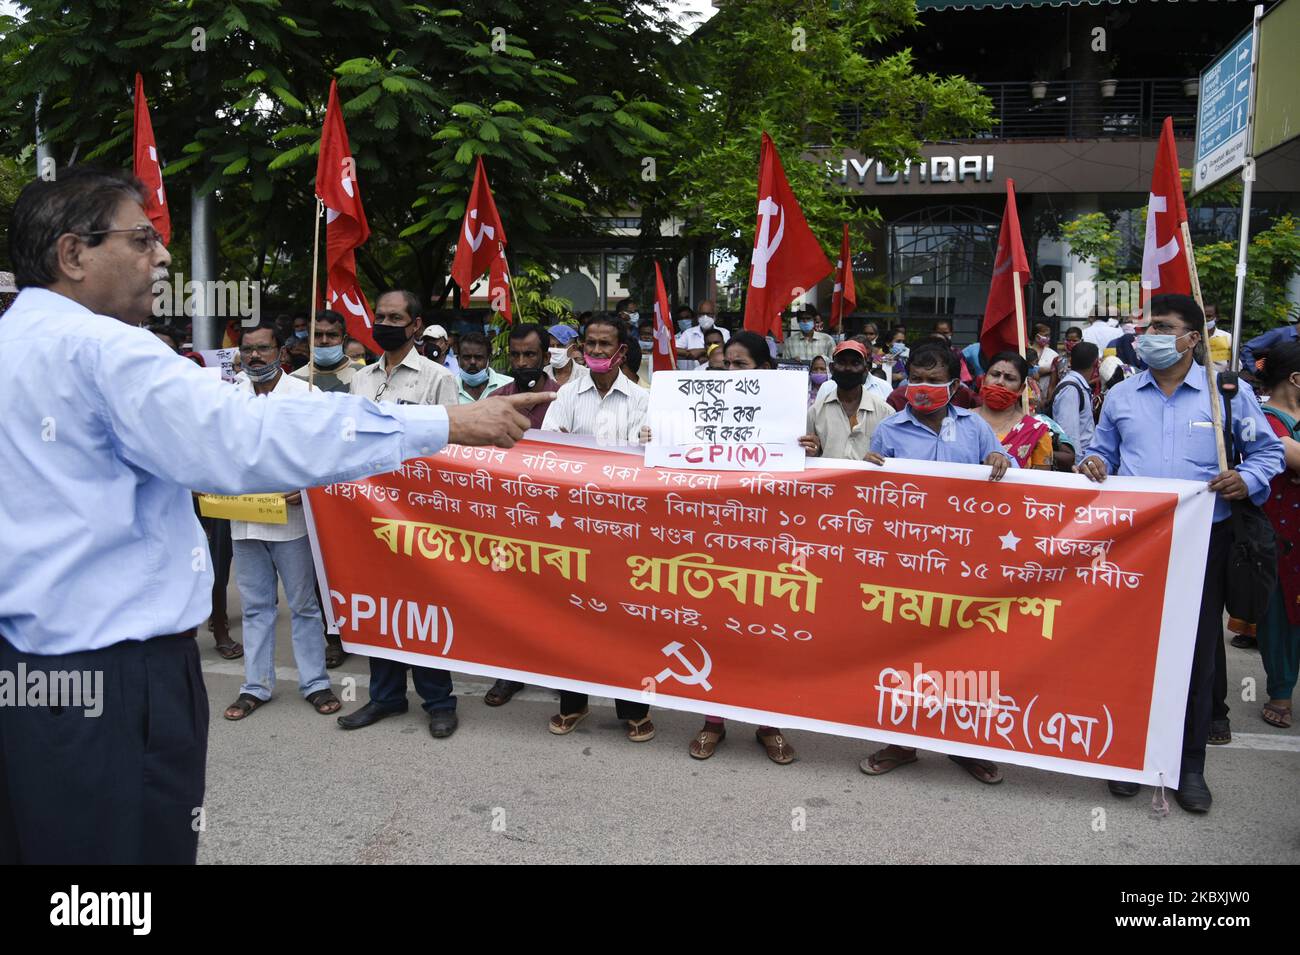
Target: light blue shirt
(1265, 343)
(103, 434)
(963, 438)
(1145, 434)
(1072, 409)
(495, 380)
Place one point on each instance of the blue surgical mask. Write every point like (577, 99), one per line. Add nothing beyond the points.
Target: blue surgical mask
(896, 348)
(475, 379)
(1159, 351)
(327, 356)
(300, 333)
(805, 327)
(684, 323)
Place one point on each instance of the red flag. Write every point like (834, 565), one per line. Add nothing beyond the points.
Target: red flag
(787, 259)
(147, 167)
(499, 291)
(481, 234)
(665, 353)
(1164, 260)
(345, 224)
(1000, 331)
(844, 299)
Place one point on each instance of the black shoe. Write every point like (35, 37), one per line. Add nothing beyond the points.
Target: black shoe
(372, 712)
(442, 723)
(1243, 642)
(1123, 789)
(501, 692)
(1220, 732)
(1193, 795)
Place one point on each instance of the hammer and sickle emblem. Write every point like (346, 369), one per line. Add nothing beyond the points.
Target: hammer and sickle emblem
(476, 240)
(766, 244)
(692, 676)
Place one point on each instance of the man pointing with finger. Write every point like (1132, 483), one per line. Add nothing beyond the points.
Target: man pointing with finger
(104, 568)
(1159, 424)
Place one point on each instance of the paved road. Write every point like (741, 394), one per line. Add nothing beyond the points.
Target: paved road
(287, 785)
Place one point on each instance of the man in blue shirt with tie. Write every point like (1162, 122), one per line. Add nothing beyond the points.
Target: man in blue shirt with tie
(104, 569)
(1158, 424)
(931, 428)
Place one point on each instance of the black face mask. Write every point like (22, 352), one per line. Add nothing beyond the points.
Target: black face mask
(390, 337)
(848, 380)
(526, 378)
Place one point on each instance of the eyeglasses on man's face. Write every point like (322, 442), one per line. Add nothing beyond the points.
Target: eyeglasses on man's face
(249, 350)
(143, 238)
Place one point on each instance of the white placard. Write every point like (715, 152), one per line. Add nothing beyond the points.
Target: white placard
(222, 359)
(728, 420)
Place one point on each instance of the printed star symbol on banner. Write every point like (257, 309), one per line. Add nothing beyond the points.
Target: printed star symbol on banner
(555, 519)
(1009, 540)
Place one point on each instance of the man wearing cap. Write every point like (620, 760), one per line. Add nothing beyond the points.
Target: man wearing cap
(436, 347)
(564, 349)
(842, 422)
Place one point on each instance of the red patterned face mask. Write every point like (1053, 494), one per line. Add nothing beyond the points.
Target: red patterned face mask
(928, 397)
(997, 397)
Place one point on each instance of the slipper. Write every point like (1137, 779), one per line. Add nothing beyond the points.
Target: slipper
(706, 741)
(776, 747)
(886, 761)
(1279, 716)
(640, 731)
(325, 702)
(983, 770)
(563, 723)
(230, 650)
(244, 704)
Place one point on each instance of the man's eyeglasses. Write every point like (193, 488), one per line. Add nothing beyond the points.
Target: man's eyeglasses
(258, 349)
(143, 238)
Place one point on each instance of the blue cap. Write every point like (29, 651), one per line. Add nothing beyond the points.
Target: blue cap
(563, 333)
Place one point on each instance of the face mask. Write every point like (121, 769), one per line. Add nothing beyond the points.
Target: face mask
(1159, 351)
(684, 323)
(805, 327)
(390, 337)
(300, 334)
(474, 379)
(1069, 346)
(559, 357)
(1042, 341)
(526, 378)
(848, 380)
(603, 366)
(928, 397)
(327, 356)
(998, 398)
(707, 322)
(896, 348)
(818, 378)
(262, 373)
(634, 317)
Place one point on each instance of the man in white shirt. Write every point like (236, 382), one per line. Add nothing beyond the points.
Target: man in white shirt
(610, 406)
(1101, 332)
(403, 376)
(690, 343)
(604, 403)
(263, 551)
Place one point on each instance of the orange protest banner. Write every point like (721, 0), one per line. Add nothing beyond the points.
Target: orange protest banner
(1041, 620)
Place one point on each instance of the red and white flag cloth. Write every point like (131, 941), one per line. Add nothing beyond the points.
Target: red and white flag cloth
(787, 259)
(499, 291)
(844, 298)
(345, 224)
(1164, 259)
(665, 353)
(148, 168)
(1000, 331)
(481, 234)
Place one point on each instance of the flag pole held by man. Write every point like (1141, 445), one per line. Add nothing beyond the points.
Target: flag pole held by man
(104, 432)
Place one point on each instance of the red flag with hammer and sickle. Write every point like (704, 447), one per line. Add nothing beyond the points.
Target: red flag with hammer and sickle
(1164, 260)
(665, 353)
(481, 234)
(1000, 332)
(147, 167)
(345, 224)
(787, 259)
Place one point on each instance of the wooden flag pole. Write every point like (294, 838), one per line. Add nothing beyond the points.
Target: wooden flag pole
(510, 281)
(1216, 409)
(1019, 294)
(311, 334)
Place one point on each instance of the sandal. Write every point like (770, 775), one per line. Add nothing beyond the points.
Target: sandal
(244, 704)
(887, 760)
(501, 692)
(1220, 733)
(562, 723)
(1275, 715)
(983, 770)
(325, 702)
(230, 650)
(335, 655)
(778, 750)
(640, 731)
(706, 741)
